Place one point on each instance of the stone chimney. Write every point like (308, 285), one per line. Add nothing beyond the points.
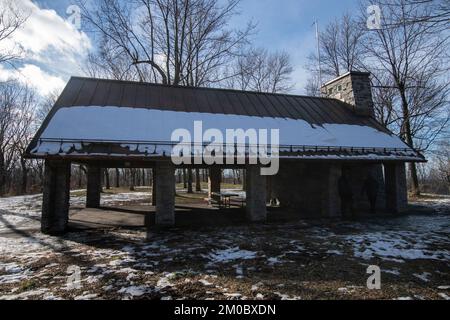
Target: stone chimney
(353, 88)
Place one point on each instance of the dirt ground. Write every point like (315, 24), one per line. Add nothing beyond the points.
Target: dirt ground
(282, 259)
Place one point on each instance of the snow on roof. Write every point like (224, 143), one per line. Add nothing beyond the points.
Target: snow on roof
(74, 125)
(130, 124)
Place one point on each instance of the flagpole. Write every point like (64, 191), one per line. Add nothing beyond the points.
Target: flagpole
(318, 51)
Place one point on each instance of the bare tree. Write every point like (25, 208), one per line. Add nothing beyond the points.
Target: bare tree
(437, 15)
(385, 98)
(340, 46)
(8, 95)
(414, 56)
(261, 71)
(170, 41)
(442, 160)
(17, 126)
(341, 50)
(11, 19)
(313, 84)
(45, 104)
(25, 128)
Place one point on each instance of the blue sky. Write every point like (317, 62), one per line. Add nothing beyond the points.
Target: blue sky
(54, 51)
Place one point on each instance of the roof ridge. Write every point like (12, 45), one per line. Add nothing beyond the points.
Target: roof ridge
(200, 88)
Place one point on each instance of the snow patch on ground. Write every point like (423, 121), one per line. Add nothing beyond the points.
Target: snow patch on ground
(231, 254)
(424, 276)
(133, 291)
(394, 246)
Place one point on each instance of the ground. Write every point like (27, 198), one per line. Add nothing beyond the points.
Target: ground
(293, 259)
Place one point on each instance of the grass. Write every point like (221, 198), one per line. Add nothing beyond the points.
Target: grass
(27, 285)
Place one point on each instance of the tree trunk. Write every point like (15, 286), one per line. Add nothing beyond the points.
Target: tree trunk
(117, 178)
(414, 179)
(184, 179)
(142, 177)
(133, 180)
(198, 185)
(408, 137)
(80, 178)
(23, 187)
(2, 176)
(189, 182)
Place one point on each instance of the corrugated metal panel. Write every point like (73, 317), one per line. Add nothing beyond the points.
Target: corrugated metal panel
(141, 96)
(239, 108)
(213, 102)
(115, 94)
(294, 110)
(276, 102)
(166, 99)
(226, 102)
(323, 113)
(101, 94)
(179, 99)
(250, 105)
(129, 95)
(201, 103)
(274, 111)
(70, 93)
(153, 96)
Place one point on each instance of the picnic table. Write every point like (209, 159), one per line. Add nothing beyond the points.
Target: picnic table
(224, 198)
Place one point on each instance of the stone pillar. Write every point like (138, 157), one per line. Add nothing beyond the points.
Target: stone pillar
(165, 197)
(214, 178)
(55, 201)
(331, 202)
(256, 195)
(94, 186)
(377, 171)
(396, 192)
(269, 189)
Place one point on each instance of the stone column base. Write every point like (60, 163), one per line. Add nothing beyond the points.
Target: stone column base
(165, 197)
(55, 201)
(396, 191)
(94, 187)
(256, 209)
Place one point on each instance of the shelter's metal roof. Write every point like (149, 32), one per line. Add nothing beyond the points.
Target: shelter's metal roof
(102, 92)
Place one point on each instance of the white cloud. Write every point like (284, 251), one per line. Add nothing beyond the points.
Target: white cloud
(53, 49)
(46, 30)
(32, 75)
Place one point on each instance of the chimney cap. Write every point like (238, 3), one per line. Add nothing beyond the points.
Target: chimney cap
(356, 73)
